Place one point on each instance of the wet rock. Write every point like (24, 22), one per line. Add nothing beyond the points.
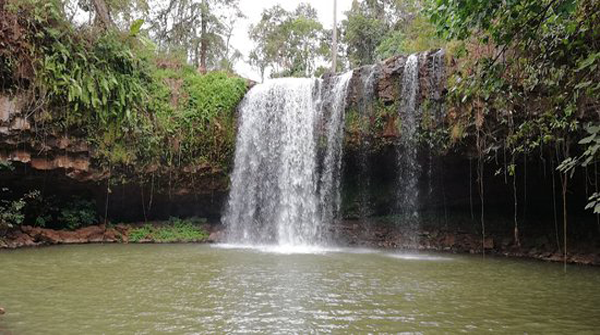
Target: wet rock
(216, 236)
(2, 311)
(449, 241)
(391, 71)
(20, 124)
(18, 239)
(92, 234)
(122, 229)
(8, 108)
(111, 236)
(488, 243)
(47, 236)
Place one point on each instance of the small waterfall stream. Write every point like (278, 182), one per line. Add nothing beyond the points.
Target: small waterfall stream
(329, 187)
(280, 193)
(408, 166)
(366, 101)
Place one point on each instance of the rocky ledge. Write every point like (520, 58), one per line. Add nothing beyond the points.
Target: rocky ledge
(377, 235)
(349, 233)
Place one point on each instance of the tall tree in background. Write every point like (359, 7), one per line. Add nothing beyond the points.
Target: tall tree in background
(377, 29)
(199, 28)
(290, 43)
(364, 29)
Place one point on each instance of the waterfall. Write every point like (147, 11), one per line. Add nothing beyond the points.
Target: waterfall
(335, 103)
(280, 192)
(366, 97)
(407, 163)
(437, 70)
(436, 82)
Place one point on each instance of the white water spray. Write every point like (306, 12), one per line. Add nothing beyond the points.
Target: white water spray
(408, 165)
(279, 196)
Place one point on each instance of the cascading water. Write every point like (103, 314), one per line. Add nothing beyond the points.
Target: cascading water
(437, 68)
(278, 193)
(408, 166)
(329, 187)
(366, 97)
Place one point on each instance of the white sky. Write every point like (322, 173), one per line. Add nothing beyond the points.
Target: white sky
(253, 10)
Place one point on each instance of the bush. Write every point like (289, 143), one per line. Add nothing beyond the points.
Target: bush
(78, 213)
(12, 212)
(174, 230)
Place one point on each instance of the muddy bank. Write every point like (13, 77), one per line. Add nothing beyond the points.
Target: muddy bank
(347, 233)
(28, 236)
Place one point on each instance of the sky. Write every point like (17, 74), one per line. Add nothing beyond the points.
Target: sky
(252, 9)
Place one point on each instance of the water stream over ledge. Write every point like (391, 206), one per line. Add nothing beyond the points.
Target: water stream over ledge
(202, 289)
(286, 178)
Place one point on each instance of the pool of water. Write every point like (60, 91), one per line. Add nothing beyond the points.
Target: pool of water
(201, 289)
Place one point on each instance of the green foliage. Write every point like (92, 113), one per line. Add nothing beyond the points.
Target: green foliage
(364, 30)
(378, 29)
(12, 212)
(6, 165)
(140, 233)
(175, 230)
(594, 203)
(418, 36)
(587, 158)
(78, 213)
(289, 42)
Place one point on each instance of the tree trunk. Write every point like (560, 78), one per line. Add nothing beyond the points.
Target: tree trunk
(203, 37)
(102, 14)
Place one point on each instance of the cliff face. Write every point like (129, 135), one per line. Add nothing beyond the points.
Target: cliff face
(64, 166)
(20, 142)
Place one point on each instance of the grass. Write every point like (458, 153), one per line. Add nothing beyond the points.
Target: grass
(174, 230)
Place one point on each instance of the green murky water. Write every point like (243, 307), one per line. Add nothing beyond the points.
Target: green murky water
(148, 289)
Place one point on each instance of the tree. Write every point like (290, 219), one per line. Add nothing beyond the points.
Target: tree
(288, 42)
(102, 13)
(200, 29)
(364, 29)
(106, 13)
(230, 55)
(377, 29)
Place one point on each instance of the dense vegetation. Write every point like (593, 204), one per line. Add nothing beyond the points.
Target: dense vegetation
(136, 105)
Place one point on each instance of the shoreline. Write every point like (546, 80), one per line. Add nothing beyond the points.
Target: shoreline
(347, 234)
